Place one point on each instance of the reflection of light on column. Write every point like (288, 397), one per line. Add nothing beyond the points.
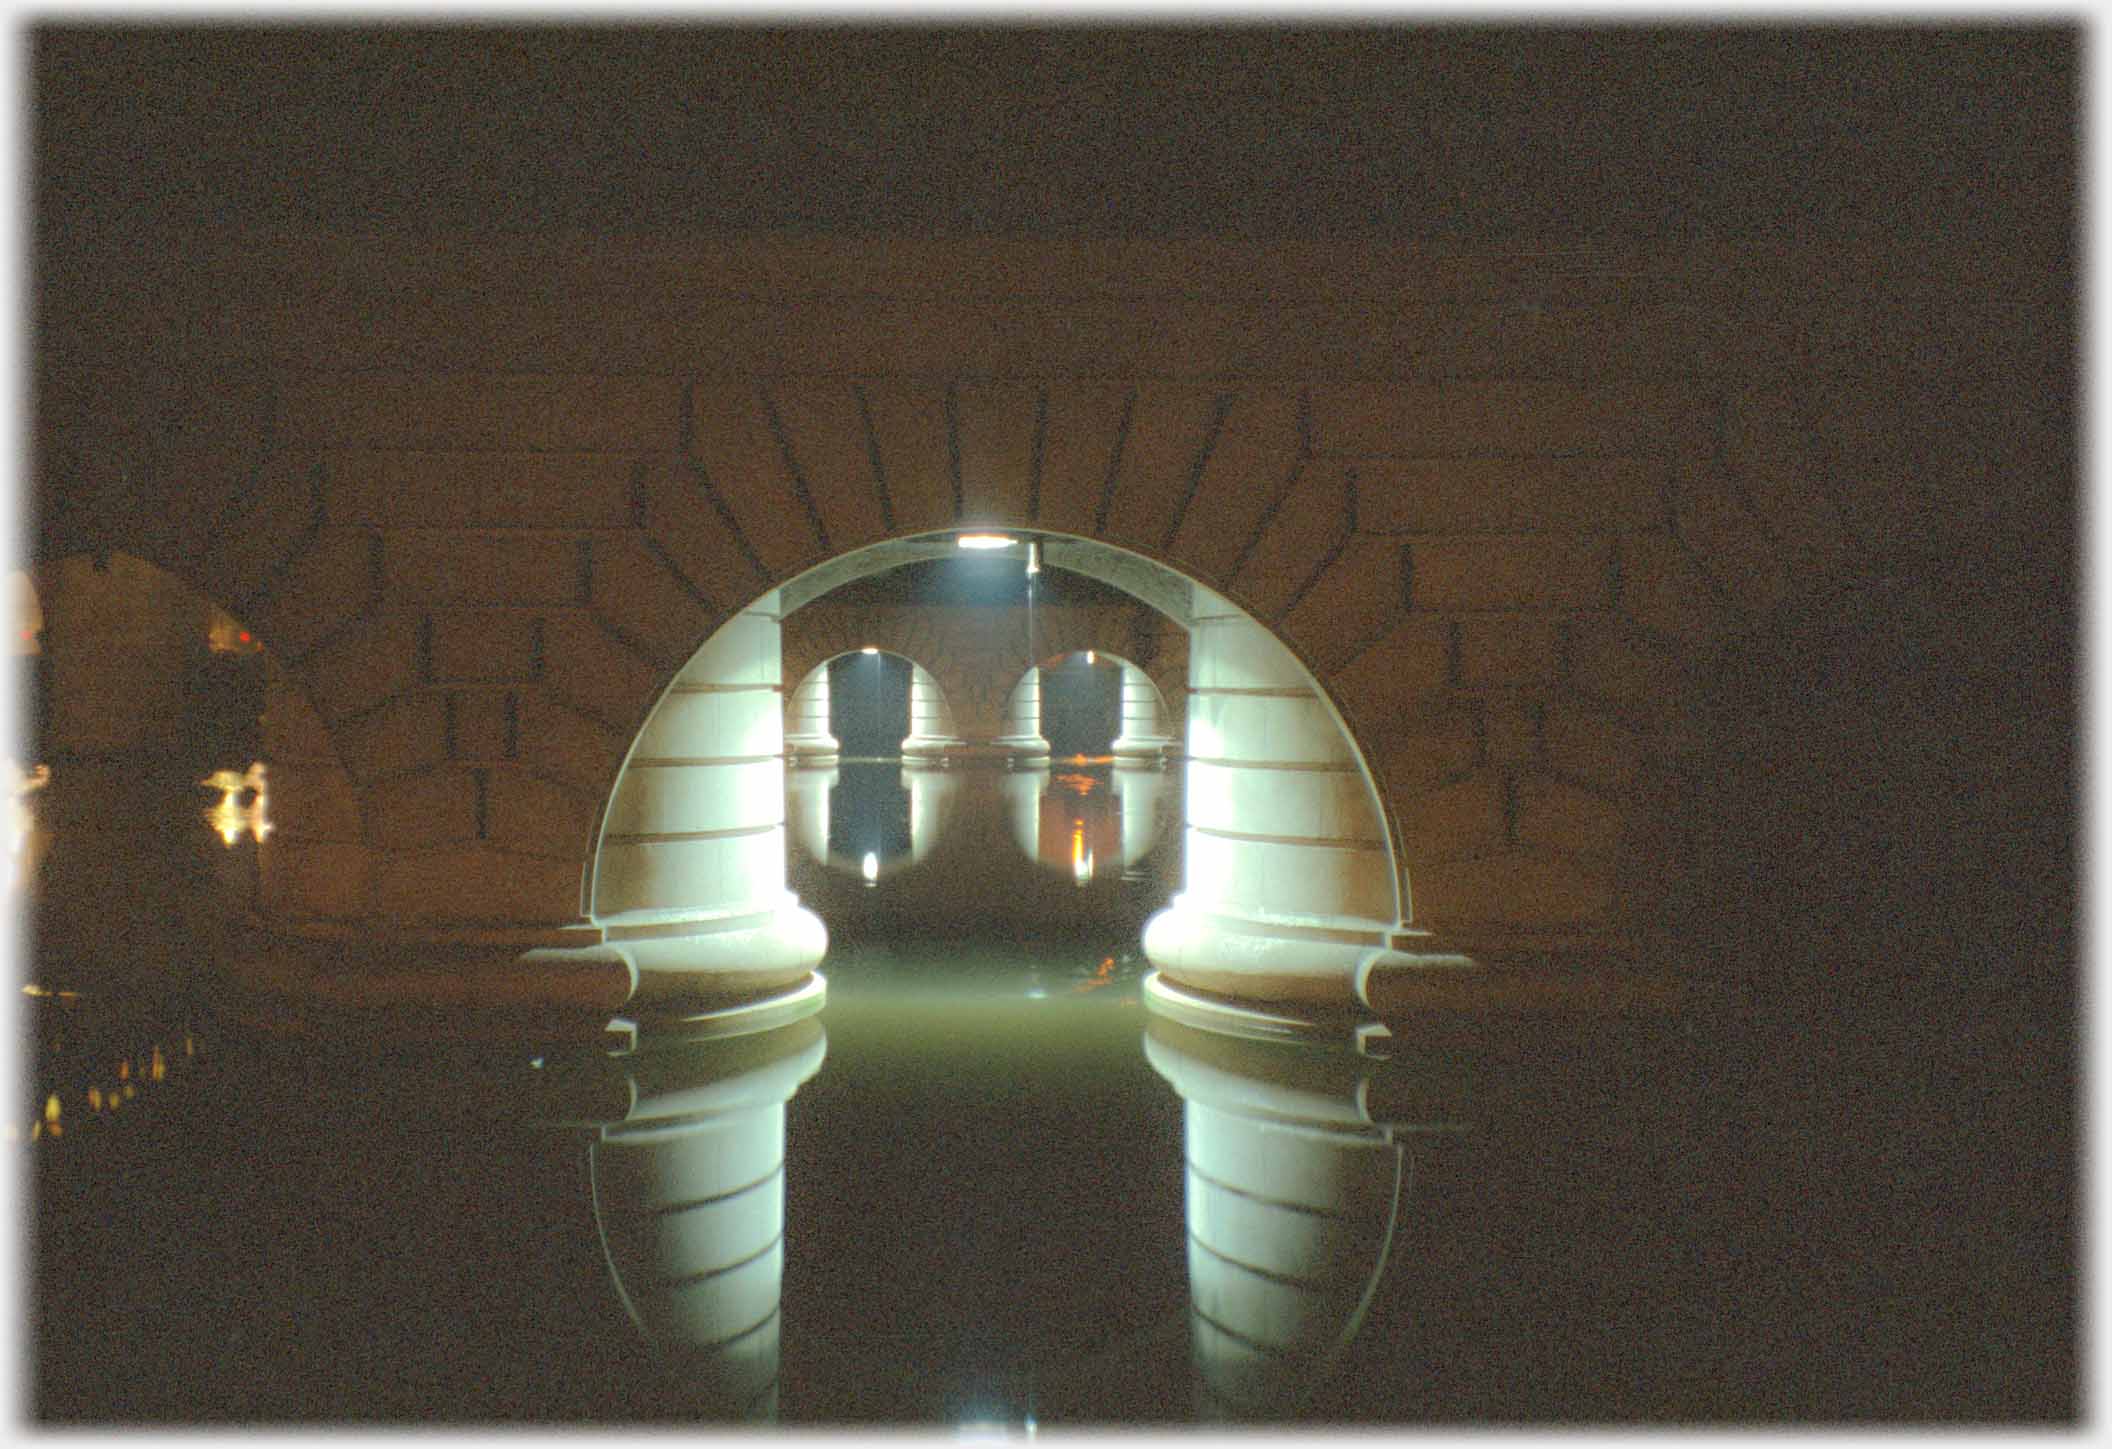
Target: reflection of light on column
(870, 868)
(230, 819)
(1081, 857)
(21, 818)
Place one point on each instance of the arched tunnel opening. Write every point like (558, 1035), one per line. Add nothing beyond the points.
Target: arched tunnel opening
(1257, 865)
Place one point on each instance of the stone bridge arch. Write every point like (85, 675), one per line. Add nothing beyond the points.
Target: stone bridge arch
(1505, 507)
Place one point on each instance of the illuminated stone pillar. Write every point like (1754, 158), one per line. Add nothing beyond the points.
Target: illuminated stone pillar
(1022, 744)
(807, 737)
(688, 1179)
(931, 732)
(1290, 893)
(1293, 1194)
(1142, 739)
(689, 881)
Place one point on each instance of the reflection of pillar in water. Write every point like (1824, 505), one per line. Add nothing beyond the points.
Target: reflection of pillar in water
(1021, 792)
(688, 1181)
(1292, 1198)
(1138, 793)
(1142, 739)
(807, 737)
(931, 791)
(807, 808)
(689, 880)
(930, 721)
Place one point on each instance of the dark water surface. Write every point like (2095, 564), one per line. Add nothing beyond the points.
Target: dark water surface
(1009, 1192)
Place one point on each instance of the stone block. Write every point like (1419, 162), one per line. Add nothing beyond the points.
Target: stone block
(1510, 571)
(263, 526)
(306, 881)
(1511, 418)
(996, 426)
(1510, 728)
(1773, 454)
(309, 801)
(1590, 747)
(1665, 591)
(594, 670)
(1610, 664)
(1312, 519)
(481, 724)
(292, 727)
(363, 664)
(1257, 454)
(552, 490)
(363, 488)
(909, 431)
(535, 815)
(555, 739)
(1557, 816)
(1414, 752)
(334, 580)
(634, 590)
(1403, 670)
(1510, 495)
(479, 886)
(744, 466)
(825, 428)
(1468, 817)
(1506, 649)
(1084, 428)
(1514, 889)
(1354, 601)
(407, 734)
(1169, 427)
(1727, 540)
(538, 412)
(434, 807)
(483, 646)
(436, 566)
(695, 536)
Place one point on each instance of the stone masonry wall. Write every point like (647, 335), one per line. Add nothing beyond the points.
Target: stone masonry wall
(483, 502)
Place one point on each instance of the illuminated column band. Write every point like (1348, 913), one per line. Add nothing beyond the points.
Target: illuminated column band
(807, 737)
(931, 733)
(688, 886)
(1290, 893)
(1022, 742)
(1143, 739)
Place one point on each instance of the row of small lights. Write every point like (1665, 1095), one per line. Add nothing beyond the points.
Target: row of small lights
(100, 1099)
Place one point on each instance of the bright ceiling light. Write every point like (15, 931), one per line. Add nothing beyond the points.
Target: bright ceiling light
(985, 540)
(869, 649)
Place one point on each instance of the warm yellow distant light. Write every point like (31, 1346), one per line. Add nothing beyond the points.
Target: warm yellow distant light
(985, 540)
(51, 1107)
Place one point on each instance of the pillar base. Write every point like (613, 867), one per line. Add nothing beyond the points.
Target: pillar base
(684, 961)
(1141, 749)
(802, 751)
(929, 748)
(1313, 963)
